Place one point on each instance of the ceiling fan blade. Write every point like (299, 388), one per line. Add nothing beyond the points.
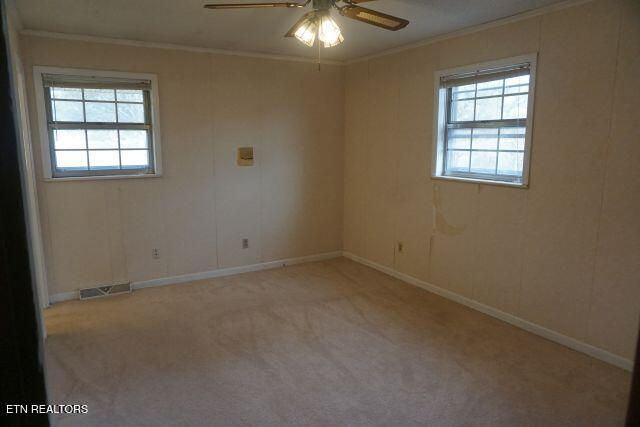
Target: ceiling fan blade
(297, 25)
(252, 5)
(359, 1)
(373, 17)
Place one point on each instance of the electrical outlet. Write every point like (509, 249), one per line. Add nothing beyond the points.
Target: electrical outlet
(155, 253)
(245, 243)
(400, 247)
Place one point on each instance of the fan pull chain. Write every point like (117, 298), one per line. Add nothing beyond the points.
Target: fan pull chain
(319, 49)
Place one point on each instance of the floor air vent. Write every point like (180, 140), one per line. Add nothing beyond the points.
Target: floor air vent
(104, 291)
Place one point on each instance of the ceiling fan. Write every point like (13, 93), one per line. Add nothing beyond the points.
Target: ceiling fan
(319, 23)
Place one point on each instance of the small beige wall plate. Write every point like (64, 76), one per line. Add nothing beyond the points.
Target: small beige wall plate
(245, 156)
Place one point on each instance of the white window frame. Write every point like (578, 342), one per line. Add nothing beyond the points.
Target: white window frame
(45, 142)
(440, 115)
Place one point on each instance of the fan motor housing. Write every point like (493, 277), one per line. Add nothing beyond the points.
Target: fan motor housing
(323, 4)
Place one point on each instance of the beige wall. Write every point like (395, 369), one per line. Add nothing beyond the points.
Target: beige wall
(289, 204)
(565, 253)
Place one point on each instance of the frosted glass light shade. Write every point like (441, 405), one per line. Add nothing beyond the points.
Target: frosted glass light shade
(307, 32)
(329, 32)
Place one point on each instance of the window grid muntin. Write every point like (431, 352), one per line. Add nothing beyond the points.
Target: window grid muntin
(488, 124)
(52, 125)
(498, 150)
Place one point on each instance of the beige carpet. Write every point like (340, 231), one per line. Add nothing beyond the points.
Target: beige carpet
(322, 344)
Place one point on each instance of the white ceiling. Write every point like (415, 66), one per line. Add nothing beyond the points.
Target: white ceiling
(186, 22)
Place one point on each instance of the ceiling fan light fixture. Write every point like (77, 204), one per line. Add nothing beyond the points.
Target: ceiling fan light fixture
(329, 33)
(318, 23)
(306, 33)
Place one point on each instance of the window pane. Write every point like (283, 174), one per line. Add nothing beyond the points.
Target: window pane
(102, 138)
(462, 111)
(483, 162)
(512, 138)
(129, 95)
(457, 161)
(515, 107)
(67, 111)
(104, 159)
(131, 113)
(518, 84)
(100, 112)
(489, 108)
(69, 139)
(135, 158)
(510, 163)
(493, 88)
(463, 92)
(459, 138)
(99, 94)
(133, 139)
(66, 93)
(485, 139)
(71, 160)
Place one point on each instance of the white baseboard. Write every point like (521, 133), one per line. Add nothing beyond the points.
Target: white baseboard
(64, 296)
(67, 296)
(233, 270)
(549, 334)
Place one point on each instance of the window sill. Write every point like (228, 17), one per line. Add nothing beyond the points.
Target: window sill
(481, 181)
(102, 177)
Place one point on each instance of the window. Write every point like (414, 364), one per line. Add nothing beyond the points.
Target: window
(484, 122)
(97, 124)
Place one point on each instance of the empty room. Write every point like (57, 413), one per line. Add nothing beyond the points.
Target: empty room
(320, 213)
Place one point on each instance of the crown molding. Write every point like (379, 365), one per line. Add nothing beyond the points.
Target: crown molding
(157, 45)
(170, 46)
(474, 29)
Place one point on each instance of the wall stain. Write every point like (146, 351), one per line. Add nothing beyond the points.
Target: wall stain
(440, 223)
